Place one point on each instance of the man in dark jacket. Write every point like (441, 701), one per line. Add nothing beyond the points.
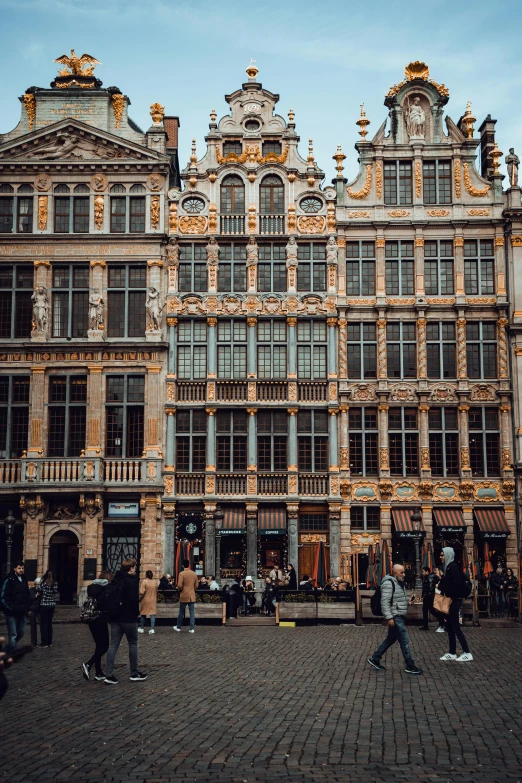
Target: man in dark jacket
(16, 602)
(429, 582)
(498, 596)
(123, 592)
(306, 584)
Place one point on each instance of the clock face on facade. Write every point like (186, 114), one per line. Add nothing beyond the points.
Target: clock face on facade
(252, 108)
(191, 528)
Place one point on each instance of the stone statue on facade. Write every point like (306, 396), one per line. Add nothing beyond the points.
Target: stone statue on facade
(40, 300)
(212, 252)
(95, 310)
(291, 252)
(415, 119)
(331, 252)
(172, 251)
(153, 309)
(252, 251)
(512, 162)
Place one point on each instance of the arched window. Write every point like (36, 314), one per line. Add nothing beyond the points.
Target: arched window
(137, 189)
(4, 188)
(81, 189)
(25, 189)
(233, 196)
(63, 188)
(272, 195)
(118, 189)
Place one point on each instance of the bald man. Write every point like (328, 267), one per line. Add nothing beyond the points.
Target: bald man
(394, 607)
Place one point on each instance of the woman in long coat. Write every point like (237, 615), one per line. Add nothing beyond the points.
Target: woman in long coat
(148, 601)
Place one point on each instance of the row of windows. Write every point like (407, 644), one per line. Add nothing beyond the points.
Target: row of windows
(436, 182)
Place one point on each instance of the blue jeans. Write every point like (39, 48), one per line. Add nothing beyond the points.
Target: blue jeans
(16, 624)
(118, 631)
(152, 621)
(396, 632)
(181, 614)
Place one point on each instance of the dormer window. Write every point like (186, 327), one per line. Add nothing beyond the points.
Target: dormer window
(193, 205)
(232, 148)
(273, 147)
(311, 205)
(252, 125)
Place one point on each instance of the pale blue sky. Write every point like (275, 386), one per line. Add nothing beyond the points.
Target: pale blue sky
(323, 58)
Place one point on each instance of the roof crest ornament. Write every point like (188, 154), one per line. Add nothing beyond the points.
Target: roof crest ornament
(417, 70)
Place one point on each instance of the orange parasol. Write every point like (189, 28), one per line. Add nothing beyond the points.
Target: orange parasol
(488, 568)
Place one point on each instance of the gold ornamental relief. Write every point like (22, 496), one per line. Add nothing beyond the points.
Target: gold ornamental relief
(438, 212)
(399, 213)
(516, 240)
(425, 458)
(359, 213)
(173, 218)
(458, 182)
(77, 66)
(154, 211)
(118, 104)
(378, 179)
(99, 203)
(478, 212)
(42, 213)
(30, 108)
(311, 225)
(473, 191)
(193, 225)
(360, 194)
(418, 178)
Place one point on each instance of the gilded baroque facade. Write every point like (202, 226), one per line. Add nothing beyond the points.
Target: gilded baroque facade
(238, 362)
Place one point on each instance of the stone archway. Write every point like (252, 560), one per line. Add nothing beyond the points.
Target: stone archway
(62, 550)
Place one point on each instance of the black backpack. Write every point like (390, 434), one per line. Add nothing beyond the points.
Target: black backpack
(110, 599)
(465, 588)
(375, 601)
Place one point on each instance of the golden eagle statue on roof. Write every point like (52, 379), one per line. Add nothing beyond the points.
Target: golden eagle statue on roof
(78, 66)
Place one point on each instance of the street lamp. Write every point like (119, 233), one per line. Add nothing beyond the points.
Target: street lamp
(218, 518)
(416, 521)
(9, 527)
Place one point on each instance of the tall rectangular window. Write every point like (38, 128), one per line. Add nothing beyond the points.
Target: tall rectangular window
(311, 271)
(481, 349)
(400, 268)
(118, 214)
(232, 267)
(192, 350)
(6, 210)
(404, 441)
(479, 266)
(231, 441)
(232, 348)
(311, 350)
(271, 269)
(365, 518)
(312, 441)
(436, 180)
(362, 350)
(484, 442)
(271, 350)
(398, 185)
(14, 415)
(191, 440)
(402, 350)
(16, 308)
(444, 441)
(438, 267)
(441, 349)
(126, 299)
(360, 268)
(125, 415)
(272, 437)
(137, 214)
(192, 268)
(70, 301)
(62, 211)
(24, 215)
(363, 433)
(67, 415)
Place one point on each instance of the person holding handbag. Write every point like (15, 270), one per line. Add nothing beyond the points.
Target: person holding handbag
(453, 586)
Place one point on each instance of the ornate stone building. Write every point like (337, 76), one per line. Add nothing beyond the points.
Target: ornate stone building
(83, 215)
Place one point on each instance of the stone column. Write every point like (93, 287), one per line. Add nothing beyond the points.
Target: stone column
(332, 348)
(252, 348)
(210, 539)
(292, 440)
(218, 549)
(419, 267)
(169, 511)
(386, 525)
(92, 515)
(333, 441)
(37, 396)
(252, 452)
(292, 515)
(95, 411)
(384, 453)
(210, 480)
(212, 348)
(172, 324)
(458, 249)
(212, 265)
(33, 515)
(382, 368)
(345, 536)
(500, 264)
(421, 348)
(251, 515)
(292, 347)
(153, 446)
(380, 265)
(170, 451)
(424, 439)
(427, 518)
(151, 555)
(505, 436)
(344, 462)
(173, 263)
(465, 467)
(335, 537)
(469, 538)
(462, 363)
(343, 349)
(502, 348)
(96, 329)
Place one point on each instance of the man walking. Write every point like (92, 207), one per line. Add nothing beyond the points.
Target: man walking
(16, 602)
(394, 606)
(187, 585)
(121, 601)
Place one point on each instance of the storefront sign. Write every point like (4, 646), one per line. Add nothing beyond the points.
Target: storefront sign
(123, 510)
(449, 530)
(495, 535)
(272, 532)
(409, 534)
(227, 532)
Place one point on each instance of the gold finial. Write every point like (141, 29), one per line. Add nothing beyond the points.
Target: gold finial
(417, 70)
(193, 157)
(362, 122)
(79, 66)
(291, 115)
(339, 157)
(495, 156)
(252, 71)
(468, 120)
(311, 158)
(157, 112)
(213, 115)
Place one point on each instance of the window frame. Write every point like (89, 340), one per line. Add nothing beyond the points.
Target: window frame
(273, 266)
(484, 432)
(232, 343)
(228, 201)
(401, 342)
(129, 323)
(405, 278)
(126, 405)
(196, 440)
(365, 359)
(440, 260)
(437, 179)
(362, 284)
(67, 405)
(436, 345)
(398, 192)
(445, 433)
(401, 435)
(195, 346)
(364, 509)
(473, 343)
(315, 439)
(316, 265)
(275, 190)
(363, 439)
(236, 439)
(12, 422)
(237, 268)
(479, 259)
(18, 294)
(268, 346)
(317, 349)
(69, 292)
(192, 266)
(274, 439)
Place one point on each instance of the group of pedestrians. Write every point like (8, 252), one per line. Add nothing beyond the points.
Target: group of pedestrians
(21, 603)
(394, 607)
(503, 586)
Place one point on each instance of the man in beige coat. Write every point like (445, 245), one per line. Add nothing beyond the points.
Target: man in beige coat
(187, 585)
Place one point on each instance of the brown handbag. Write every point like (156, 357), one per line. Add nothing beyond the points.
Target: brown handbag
(441, 603)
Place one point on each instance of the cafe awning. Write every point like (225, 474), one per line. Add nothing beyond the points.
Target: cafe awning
(271, 520)
(234, 519)
(403, 524)
(449, 519)
(492, 522)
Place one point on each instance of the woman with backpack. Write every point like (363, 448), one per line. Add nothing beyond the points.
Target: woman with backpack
(148, 601)
(93, 608)
(453, 585)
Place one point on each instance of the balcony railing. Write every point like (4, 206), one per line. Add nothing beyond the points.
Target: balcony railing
(192, 391)
(272, 391)
(10, 471)
(313, 484)
(80, 471)
(272, 484)
(233, 224)
(123, 470)
(190, 484)
(272, 224)
(312, 391)
(231, 485)
(230, 391)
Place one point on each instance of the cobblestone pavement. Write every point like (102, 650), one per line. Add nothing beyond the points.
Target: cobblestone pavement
(267, 705)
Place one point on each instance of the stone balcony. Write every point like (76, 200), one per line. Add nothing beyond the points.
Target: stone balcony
(242, 485)
(81, 471)
(251, 391)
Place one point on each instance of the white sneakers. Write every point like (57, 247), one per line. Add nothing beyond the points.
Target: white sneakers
(440, 629)
(465, 657)
(448, 657)
(141, 630)
(152, 630)
(462, 658)
(175, 628)
(191, 630)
